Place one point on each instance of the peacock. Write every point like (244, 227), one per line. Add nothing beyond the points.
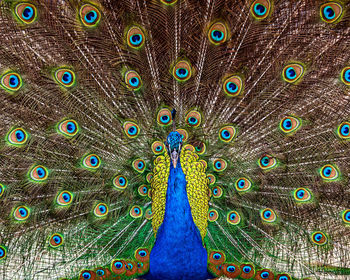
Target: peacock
(174, 139)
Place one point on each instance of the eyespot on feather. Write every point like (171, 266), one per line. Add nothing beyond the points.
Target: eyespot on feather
(101, 210)
(268, 215)
(264, 274)
(290, 124)
(219, 165)
(131, 129)
(233, 218)
(26, 12)
(233, 86)
(21, 213)
(227, 133)
(136, 212)
(164, 117)
(345, 76)
(118, 267)
(247, 271)
(217, 257)
(267, 162)
(64, 198)
(89, 15)
(193, 118)
(343, 130)
(91, 162)
(133, 80)
(319, 238)
(182, 71)
(243, 184)
(55, 240)
(11, 81)
(330, 12)
(231, 270)
(292, 72)
(120, 182)
(260, 9)
(217, 33)
(17, 137)
(135, 37)
(65, 77)
(329, 172)
(38, 173)
(68, 128)
(213, 215)
(3, 252)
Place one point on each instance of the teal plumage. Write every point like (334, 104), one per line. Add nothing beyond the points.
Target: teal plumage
(87, 158)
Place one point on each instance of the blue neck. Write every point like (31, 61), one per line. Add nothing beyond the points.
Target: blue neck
(178, 252)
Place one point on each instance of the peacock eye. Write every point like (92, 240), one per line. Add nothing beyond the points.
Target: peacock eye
(345, 76)
(157, 147)
(227, 133)
(139, 165)
(213, 215)
(243, 184)
(135, 37)
(120, 182)
(233, 86)
(17, 137)
(142, 255)
(118, 266)
(56, 240)
(343, 130)
(292, 72)
(133, 80)
(211, 178)
(267, 162)
(260, 9)
(331, 12)
(86, 275)
(65, 77)
(101, 210)
(319, 238)
(219, 165)
(68, 128)
(290, 124)
(143, 190)
(64, 198)
(38, 173)
(91, 161)
(233, 218)
(268, 215)
(26, 13)
(136, 211)
(21, 213)
(100, 272)
(3, 252)
(265, 274)
(164, 117)
(217, 33)
(346, 216)
(182, 71)
(148, 214)
(217, 192)
(329, 172)
(283, 276)
(302, 195)
(131, 129)
(89, 15)
(11, 82)
(216, 257)
(231, 270)
(247, 271)
(193, 118)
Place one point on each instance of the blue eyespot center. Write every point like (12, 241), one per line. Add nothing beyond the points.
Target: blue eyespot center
(259, 9)
(217, 256)
(103, 209)
(181, 72)
(13, 81)
(86, 275)
(136, 39)
(329, 12)
(134, 81)
(93, 161)
(225, 134)
(211, 214)
(144, 190)
(231, 87)
(2, 252)
(327, 171)
(28, 13)
(57, 239)
(318, 236)
(137, 210)
(118, 265)
(283, 278)
(247, 269)
(71, 127)
(265, 275)
(217, 35)
(23, 212)
(91, 16)
(233, 216)
(231, 268)
(19, 135)
(300, 194)
(41, 172)
(291, 74)
(347, 216)
(142, 253)
(287, 124)
(347, 75)
(67, 77)
(345, 129)
(267, 214)
(100, 272)
(132, 130)
(158, 148)
(265, 161)
(122, 181)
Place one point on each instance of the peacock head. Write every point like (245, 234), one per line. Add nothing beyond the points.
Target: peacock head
(173, 145)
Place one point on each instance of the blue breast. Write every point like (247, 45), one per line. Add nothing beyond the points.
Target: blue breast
(178, 252)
